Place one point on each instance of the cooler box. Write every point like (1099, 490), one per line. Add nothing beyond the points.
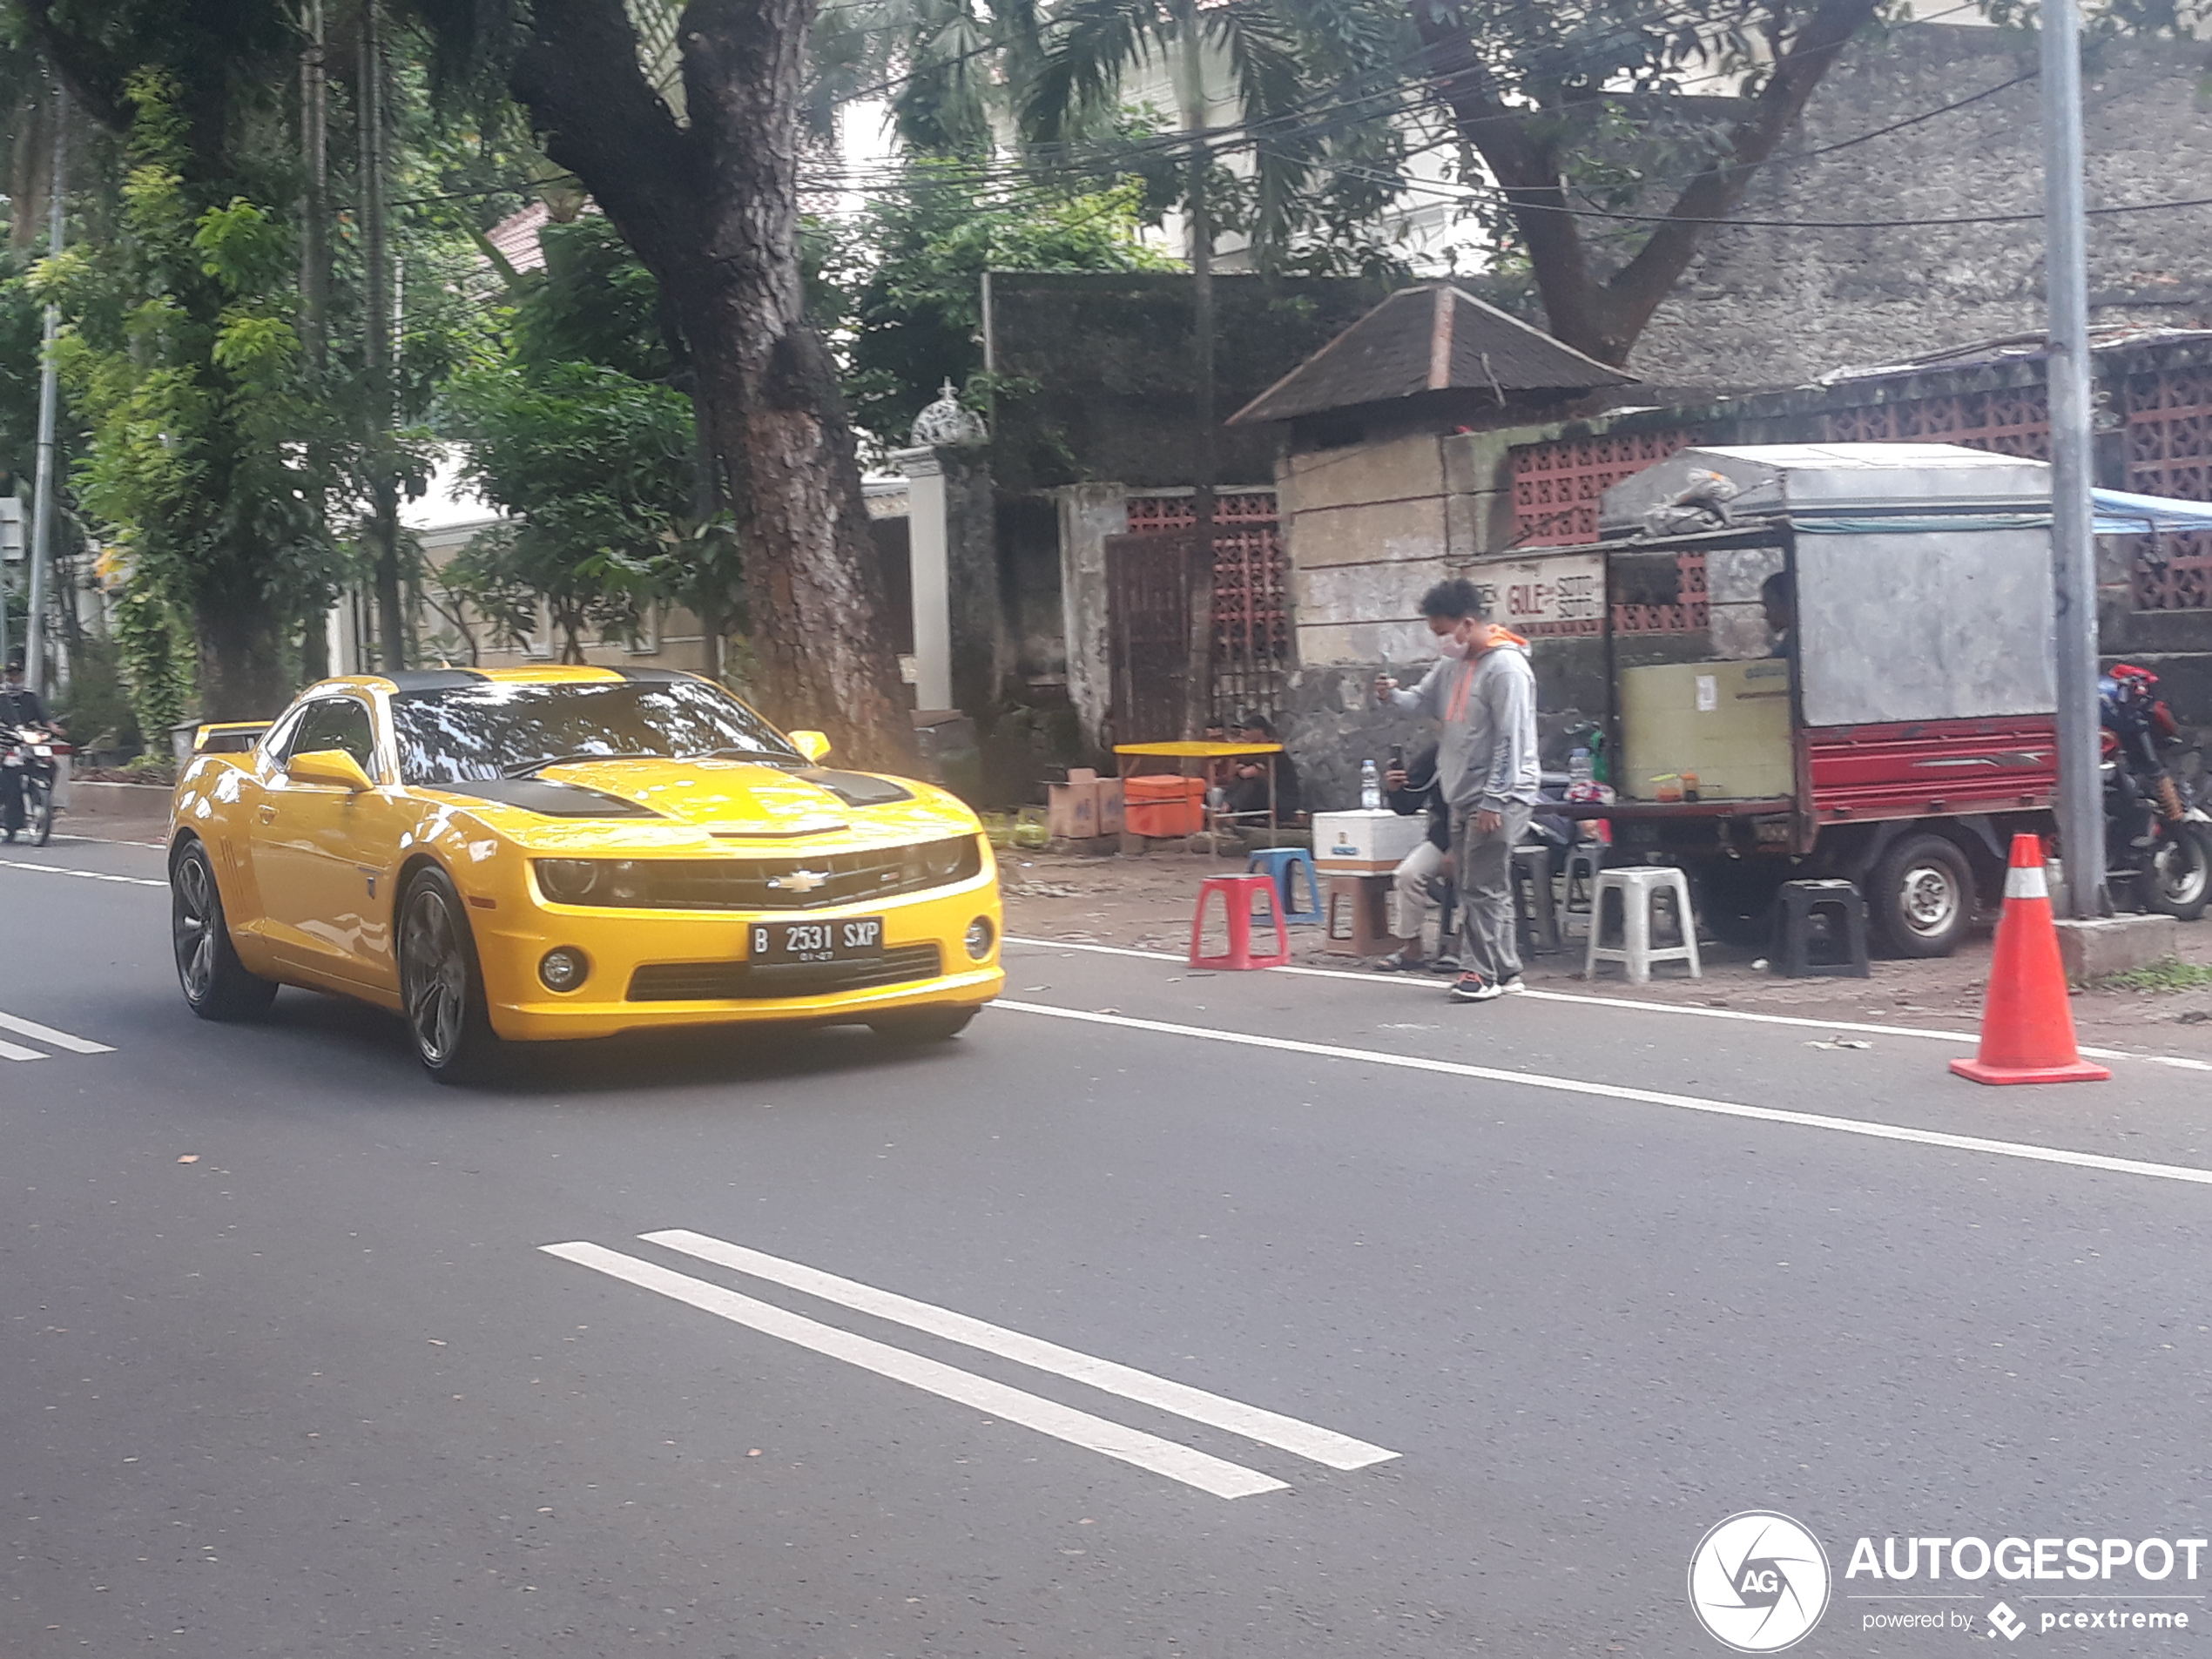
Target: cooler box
(1163, 806)
(1364, 843)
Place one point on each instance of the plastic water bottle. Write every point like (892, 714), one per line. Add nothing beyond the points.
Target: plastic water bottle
(1370, 787)
(1578, 769)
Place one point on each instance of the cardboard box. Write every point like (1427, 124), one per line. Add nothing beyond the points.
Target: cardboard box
(1364, 843)
(1109, 806)
(1071, 811)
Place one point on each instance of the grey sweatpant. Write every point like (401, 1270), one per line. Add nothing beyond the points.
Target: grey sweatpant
(1486, 892)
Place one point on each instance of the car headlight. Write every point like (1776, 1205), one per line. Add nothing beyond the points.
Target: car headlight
(607, 881)
(935, 863)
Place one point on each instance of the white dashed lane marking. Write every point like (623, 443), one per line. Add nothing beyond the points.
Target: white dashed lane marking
(82, 875)
(45, 1033)
(1148, 1451)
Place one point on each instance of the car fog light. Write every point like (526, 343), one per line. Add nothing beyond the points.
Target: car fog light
(563, 969)
(980, 935)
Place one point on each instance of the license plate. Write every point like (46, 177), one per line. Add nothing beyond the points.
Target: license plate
(817, 942)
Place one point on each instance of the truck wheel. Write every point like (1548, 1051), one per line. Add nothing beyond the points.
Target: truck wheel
(1921, 899)
(2177, 873)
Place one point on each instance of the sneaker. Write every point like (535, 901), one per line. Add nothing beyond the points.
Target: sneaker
(1473, 988)
(1512, 983)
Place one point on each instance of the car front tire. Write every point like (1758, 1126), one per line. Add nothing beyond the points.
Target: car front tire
(442, 987)
(216, 984)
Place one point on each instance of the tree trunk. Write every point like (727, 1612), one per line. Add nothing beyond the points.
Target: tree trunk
(241, 659)
(713, 209)
(376, 355)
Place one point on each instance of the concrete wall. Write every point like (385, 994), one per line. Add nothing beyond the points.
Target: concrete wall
(1771, 307)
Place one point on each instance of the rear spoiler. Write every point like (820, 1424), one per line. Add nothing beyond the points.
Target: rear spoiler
(228, 737)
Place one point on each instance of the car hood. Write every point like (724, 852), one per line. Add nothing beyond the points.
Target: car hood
(737, 802)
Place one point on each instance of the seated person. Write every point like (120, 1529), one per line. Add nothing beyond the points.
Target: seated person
(1424, 873)
(1778, 594)
(1245, 794)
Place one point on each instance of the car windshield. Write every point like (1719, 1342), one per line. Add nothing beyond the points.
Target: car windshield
(457, 734)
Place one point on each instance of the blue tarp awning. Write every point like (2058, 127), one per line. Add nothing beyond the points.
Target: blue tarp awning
(2121, 513)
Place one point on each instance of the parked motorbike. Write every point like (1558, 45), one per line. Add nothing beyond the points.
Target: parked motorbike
(2158, 836)
(28, 768)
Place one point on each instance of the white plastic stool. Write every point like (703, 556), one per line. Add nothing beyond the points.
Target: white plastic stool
(1638, 886)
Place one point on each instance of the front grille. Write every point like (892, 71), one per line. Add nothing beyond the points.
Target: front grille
(766, 883)
(746, 982)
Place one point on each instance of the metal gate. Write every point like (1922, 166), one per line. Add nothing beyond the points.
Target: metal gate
(1148, 590)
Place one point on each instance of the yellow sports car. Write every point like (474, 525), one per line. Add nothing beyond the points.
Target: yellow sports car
(550, 852)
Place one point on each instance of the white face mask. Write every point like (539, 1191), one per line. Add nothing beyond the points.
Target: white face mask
(1452, 646)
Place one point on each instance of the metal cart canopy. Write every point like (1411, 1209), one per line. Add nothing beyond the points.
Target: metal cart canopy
(1923, 571)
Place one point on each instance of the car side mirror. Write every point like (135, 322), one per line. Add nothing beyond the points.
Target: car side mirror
(334, 767)
(815, 745)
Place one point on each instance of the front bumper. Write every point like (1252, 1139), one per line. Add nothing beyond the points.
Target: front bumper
(617, 943)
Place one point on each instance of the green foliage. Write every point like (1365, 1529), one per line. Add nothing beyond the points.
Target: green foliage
(2168, 975)
(179, 350)
(155, 674)
(594, 302)
(96, 708)
(576, 434)
(902, 290)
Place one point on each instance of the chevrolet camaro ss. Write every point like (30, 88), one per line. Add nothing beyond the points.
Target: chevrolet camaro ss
(525, 854)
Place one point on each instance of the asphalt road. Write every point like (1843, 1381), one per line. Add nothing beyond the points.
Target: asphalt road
(1266, 1315)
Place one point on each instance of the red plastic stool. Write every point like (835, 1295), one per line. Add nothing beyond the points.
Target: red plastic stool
(1240, 896)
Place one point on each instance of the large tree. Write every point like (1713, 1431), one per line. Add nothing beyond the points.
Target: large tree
(1603, 139)
(1550, 96)
(709, 197)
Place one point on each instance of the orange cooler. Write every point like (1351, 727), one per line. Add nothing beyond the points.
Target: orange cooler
(1163, 806)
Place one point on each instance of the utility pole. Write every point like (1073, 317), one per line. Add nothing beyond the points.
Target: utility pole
(42, 523)
(2081, 830)
(315, 278)
(384, 519)
(1197, 692)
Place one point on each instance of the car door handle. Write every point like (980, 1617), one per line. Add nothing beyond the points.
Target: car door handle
(268, 814)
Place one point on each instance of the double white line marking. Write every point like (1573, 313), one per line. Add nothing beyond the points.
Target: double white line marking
(1178, 1463)
(45, 1033)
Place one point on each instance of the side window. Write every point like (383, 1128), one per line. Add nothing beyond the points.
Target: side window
(276, 743)
(336, 722)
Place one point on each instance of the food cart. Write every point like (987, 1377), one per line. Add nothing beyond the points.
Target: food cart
(1897, 734)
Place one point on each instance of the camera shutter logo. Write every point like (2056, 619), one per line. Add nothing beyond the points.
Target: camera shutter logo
(1758, 1581)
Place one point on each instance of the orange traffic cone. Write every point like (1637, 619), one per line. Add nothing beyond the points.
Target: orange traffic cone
(2027, 1027)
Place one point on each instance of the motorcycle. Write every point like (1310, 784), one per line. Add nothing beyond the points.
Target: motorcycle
(2158, 835)
(27, 770)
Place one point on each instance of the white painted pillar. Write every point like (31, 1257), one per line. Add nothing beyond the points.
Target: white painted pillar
(930, 552)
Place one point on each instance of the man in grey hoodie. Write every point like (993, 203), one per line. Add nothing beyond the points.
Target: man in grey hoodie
(1482, 693)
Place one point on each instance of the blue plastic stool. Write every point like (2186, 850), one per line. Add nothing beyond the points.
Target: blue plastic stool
(1283, 863)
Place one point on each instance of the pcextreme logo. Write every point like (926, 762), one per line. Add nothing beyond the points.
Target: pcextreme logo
(1758, 1581)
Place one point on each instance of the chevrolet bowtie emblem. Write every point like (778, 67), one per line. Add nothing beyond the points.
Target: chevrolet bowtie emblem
(799, 880)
